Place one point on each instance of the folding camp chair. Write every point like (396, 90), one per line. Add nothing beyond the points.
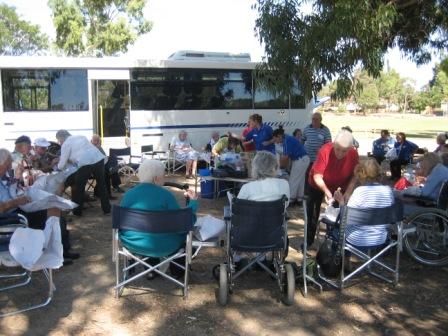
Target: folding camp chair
(173, 163)
(259, 228)
(127, 256)
(125, 166)
(373, 264)
(8, 224)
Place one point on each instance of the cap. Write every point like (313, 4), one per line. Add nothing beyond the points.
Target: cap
(23, 139)
(41, 142)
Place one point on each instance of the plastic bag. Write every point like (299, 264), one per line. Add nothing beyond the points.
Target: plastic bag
(331, 213)
(208, 227)
(391, 154)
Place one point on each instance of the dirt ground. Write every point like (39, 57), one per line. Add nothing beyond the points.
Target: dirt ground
(84, 302)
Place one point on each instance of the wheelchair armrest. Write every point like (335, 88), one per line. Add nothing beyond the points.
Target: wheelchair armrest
(419, 200)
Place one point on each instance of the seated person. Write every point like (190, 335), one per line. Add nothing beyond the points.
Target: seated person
(213, 140)
(225, 145)
(431, 173)
(149, 195)
(404, 150)
(382, 145)
(369, 194)
(184, 152)
(10, 202)
(266, 187)
(42, 160)
(441, 140)
(21, 159)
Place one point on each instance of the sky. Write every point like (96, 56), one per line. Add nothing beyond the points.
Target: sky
(202, 25)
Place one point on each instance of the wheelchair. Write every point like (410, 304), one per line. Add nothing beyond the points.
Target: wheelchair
(259, 228)
(426, 231)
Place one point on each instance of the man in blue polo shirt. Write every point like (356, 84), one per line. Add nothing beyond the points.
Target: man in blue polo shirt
(295, 153)
(261, 134)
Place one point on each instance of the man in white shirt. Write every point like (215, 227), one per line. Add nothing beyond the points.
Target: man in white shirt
(88, 161)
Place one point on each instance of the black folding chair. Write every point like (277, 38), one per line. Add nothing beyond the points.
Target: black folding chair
(373, 264)
(173, 222)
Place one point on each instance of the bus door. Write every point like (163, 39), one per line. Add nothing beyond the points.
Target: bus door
(111, 111)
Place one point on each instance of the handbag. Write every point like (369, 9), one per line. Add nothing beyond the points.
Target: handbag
(329, 256)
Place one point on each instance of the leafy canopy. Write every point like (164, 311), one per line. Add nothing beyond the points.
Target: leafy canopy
(97, 27)
(335, 37)
(19, 37)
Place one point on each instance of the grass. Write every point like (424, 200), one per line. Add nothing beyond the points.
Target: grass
(415, 126)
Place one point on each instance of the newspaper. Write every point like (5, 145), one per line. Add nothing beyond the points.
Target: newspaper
(42, 200)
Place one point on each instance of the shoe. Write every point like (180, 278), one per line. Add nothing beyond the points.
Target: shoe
(106, 213)
(118, 190)
(71, 255)
(67, 261)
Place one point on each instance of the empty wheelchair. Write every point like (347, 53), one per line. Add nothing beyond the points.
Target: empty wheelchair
(257, 228)
(426, 231)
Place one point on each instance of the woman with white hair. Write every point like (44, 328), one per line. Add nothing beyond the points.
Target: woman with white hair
(334, 168)
(150, 195)
(184, 152)
(267, 187)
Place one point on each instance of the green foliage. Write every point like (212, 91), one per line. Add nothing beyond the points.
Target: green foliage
(97, 27)
(366, 93)
(19, 37)
(438, 91)
(329, 42)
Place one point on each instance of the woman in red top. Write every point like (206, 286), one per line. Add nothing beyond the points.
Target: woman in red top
(334, 168)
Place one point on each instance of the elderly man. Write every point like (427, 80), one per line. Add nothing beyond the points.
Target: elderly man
(184, 152)
(88, 161)
(10, 202)
(333, 170)
(315, 135)
(41, 159)
(382, 145)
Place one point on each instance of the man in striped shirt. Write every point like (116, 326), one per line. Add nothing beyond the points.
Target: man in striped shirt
(314, 136)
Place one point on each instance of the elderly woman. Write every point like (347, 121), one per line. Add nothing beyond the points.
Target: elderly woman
(404, 150)
(150, 195)
(431, 173)
(334, 167)
(184, 152)
(370, 194)
(266, 187)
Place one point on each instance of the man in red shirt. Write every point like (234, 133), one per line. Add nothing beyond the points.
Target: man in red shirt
(334, 168)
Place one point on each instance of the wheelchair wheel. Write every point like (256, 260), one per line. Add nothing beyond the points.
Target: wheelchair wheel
(288, 285)
(223, 293)
(428, 244)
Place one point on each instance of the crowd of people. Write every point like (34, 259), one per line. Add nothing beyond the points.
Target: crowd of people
(324, 169)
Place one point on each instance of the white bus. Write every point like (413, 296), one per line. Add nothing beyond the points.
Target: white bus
(146, 101)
